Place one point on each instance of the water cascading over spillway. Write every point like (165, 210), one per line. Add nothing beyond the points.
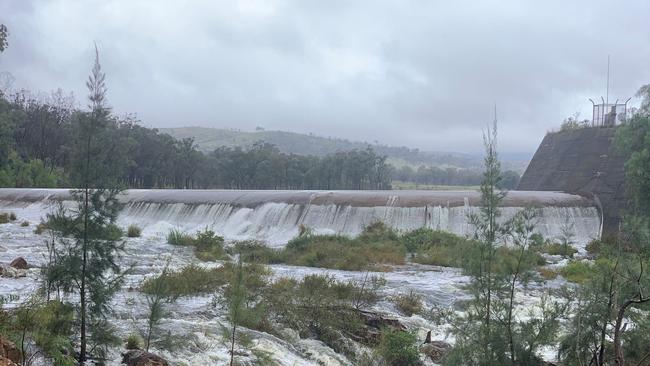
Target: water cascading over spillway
(276, 216)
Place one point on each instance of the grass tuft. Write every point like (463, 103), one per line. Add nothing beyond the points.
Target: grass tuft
(177, 237)
(208, 246)
(133, 231)
(410, 303)
(134, 341)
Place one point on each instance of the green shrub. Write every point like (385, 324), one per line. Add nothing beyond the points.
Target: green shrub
(377, 231)
(445, 256)
(40, 228)
(547, 273)
(208, 246)
(251, 251)
(12, 216)
(319, 306)
(577, 271)
(24, 223)
(536, 240)
(399, 348)
(133, 231)
(425, 238)
(435, 247)
(339, 252)
(557, 249)
(409, 304)
(4, 218)
(134, 341)
(177, 237)
(189, 281)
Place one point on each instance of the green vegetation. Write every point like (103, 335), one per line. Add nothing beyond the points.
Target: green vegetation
(6, 217)
(613, 291)
(366, 252)
(48, 325)
(436, 247)
(24, 223)
(40, 228)
(488, 332)
(574, 123)
(316, 306)
(85, 251)
(208, 246)
(209, 139)
(557, 249)
(190, 280)
(399, 348)
(376, 249)
(133, 231)
(4, 34)
(133, 341)
(409, 303)
(577, 271)
(177, 237)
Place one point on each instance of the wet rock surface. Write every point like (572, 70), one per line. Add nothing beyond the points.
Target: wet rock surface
(374, 323)
(435, 350)
(138, 357)
(19, 263)
(9, 353)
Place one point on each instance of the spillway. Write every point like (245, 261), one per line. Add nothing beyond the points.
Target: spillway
(275, 216)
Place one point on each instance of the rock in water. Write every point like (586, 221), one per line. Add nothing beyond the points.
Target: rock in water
(435, 350)
(9, 354)
(374, 323)
(19, 263)
(138, 357)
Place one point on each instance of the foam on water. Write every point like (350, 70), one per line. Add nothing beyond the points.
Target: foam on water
(276, 216)
(275, 221)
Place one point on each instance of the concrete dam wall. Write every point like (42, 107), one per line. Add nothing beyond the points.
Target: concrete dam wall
(275, 216)
(583, 162)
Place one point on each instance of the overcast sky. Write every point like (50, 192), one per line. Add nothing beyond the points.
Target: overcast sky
(423, 74)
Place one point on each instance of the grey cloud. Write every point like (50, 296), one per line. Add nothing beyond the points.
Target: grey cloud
(424, 74)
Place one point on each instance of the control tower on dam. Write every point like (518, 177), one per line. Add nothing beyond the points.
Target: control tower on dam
(276, 216)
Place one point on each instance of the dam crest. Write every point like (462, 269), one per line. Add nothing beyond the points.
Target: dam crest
(275, 217)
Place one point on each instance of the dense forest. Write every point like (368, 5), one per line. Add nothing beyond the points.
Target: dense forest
(36, 134)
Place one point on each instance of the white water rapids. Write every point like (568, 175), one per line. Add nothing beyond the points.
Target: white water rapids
(274, 217)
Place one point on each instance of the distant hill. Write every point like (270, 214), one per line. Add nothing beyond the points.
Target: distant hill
(209, 139)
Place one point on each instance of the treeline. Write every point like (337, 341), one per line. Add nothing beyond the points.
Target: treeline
(37, 136)
(427, 175)
(37, 133)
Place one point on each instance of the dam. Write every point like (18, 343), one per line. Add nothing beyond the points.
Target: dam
(275, 217)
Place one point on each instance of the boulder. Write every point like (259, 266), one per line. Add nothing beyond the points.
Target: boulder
(435, 350)
(138, 357)
(370, 332)
(7, 362)
(9, 353)
(19, 263)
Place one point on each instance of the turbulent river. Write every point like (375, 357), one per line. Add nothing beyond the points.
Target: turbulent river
(275, 217)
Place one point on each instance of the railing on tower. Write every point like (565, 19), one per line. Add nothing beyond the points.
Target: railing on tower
(608, 114)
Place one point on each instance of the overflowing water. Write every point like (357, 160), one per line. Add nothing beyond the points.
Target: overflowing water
(274, 217)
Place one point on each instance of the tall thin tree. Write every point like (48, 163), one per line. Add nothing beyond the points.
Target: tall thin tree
(92, 242)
